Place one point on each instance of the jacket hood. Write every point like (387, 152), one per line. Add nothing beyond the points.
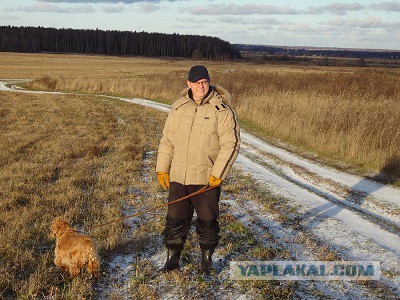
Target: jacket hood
(225, 95)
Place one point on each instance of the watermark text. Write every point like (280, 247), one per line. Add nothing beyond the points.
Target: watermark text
(305, 270)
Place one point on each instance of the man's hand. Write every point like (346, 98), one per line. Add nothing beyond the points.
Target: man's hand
(214, 181)
(163, 179)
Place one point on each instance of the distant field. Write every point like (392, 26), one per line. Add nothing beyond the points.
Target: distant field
(339, 113)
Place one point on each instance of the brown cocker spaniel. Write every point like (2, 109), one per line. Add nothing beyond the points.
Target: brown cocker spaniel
(74, 251)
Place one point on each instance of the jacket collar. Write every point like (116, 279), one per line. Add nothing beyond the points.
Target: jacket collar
(206, 98)
(214, 90)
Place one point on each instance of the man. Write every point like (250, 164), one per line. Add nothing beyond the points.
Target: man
(200, 142)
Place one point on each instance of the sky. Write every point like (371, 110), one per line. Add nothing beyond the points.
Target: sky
(367, 24)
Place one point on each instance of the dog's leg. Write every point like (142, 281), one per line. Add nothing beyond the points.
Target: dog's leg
(73, 271)
(57, 262)
(93, 265)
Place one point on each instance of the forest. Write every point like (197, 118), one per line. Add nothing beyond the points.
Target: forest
(308, 52)
(112, 42)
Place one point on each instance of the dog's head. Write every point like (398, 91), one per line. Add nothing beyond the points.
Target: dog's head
(58, 226)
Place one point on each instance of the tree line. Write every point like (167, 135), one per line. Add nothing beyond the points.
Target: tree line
(355, 53)
(112, 42)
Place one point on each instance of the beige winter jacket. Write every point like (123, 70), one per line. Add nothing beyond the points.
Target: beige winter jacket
(199, 140)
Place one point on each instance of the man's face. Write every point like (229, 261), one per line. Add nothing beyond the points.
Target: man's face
(199, 88)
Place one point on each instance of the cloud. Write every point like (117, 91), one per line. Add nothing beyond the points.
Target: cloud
(114, 9)
(335, 8)
(195, 21)
(244, 9)
(232, 20)
(7, 18)
(40, 7)
(248, 21)
(266, 21)
(296, 28)
(105, 1)
(148, 7)
(50, 8)
(86, 9)
(387, 6)
(371, 22)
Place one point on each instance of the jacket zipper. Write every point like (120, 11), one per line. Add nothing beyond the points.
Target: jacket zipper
(187, 147)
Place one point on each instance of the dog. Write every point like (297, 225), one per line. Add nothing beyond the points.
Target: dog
(74, 251)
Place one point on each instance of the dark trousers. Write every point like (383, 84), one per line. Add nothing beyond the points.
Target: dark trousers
(180, 214)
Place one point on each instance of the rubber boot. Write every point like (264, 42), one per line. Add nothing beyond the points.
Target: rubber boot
(173, 257)
(206, 261)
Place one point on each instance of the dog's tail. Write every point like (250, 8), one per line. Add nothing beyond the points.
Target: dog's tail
(93, 265)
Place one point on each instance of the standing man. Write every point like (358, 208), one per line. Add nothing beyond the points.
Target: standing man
(200, 142)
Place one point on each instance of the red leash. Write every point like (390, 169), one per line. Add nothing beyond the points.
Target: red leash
(202, 190)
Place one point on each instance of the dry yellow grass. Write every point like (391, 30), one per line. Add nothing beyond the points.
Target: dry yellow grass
(69, 156)
(349, 114)
(359, 123)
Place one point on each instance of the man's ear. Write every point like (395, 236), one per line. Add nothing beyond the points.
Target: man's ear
(188, 83)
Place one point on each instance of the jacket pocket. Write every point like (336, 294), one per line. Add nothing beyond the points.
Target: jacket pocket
(210, 161)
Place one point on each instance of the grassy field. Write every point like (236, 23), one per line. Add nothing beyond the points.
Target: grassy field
(349, 115)
(68, 156)
(87, 158)
(91, 160)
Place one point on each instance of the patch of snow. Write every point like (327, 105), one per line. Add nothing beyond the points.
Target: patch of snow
(288, 174)
(388, 194)
(251, 215)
